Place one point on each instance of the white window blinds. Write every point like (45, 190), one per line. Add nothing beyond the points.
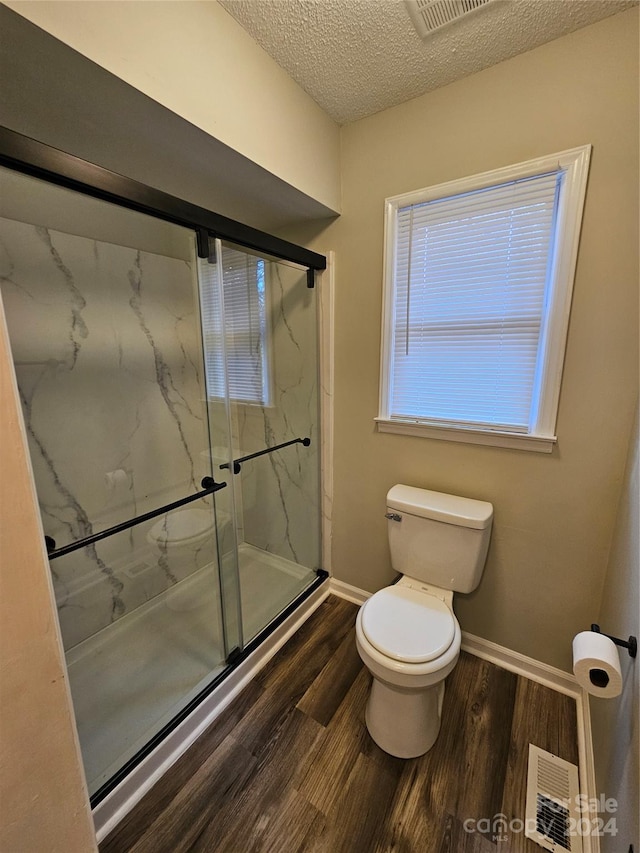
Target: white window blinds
(470, 292)
(239, 332)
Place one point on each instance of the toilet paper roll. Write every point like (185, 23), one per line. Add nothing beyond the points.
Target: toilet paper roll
(596, 664)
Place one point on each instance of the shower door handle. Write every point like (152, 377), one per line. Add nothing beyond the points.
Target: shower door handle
(237, 463)
(208, 484)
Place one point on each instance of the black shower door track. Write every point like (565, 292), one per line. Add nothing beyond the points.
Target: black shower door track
(233, 662)
(26, 155)
(31, 157)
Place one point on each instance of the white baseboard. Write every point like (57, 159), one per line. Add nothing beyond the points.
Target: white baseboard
(110, 811)
(348, 592)
(535, 670)
(587, 767)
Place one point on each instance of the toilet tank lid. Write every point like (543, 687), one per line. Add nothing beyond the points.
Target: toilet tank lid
(451, 509)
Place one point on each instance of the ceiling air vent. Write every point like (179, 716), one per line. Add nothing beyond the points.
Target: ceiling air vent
(428, 16)
(552, 802)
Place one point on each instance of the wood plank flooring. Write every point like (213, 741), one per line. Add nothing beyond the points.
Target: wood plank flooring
(289, 765)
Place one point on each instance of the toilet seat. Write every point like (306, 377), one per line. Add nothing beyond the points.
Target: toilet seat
(408, 625)
(182, 528)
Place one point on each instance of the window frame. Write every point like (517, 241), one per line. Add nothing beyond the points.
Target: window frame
(555, 321)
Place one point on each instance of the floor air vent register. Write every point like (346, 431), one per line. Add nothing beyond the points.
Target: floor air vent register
(552, 802)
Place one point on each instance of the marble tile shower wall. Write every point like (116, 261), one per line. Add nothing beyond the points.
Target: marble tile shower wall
(280, 491)
(107, 350)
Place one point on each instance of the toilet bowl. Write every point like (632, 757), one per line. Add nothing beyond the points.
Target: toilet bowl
(407, 634)
(409, 639)
(186, 528)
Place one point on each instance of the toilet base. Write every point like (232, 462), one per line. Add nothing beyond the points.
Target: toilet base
(404, 723)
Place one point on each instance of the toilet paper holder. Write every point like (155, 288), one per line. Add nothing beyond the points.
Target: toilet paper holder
(631, 644)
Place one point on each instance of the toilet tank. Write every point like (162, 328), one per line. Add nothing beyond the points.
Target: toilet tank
(437, 538)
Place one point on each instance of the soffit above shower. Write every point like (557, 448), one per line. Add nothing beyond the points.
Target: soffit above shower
(357, 57)
(52, 106)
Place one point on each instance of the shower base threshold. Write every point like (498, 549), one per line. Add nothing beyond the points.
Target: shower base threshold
(108, 813)
(132, 678)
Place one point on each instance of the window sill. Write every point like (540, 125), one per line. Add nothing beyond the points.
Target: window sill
(513, 440)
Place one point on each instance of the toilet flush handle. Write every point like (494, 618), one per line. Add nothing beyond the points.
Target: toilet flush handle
(393, 516)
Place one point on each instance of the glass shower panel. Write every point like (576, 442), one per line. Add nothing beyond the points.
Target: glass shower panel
(262, 364)
(102, 309)
(134, 676)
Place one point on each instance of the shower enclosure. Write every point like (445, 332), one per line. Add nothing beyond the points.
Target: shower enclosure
(169, 385)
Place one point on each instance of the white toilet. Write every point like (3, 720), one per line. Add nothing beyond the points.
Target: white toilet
(407, 634)
(184, 530)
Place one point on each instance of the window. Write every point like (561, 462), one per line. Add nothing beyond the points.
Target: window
(478, 281)
(239, 333)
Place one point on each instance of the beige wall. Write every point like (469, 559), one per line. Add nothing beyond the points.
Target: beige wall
(43, 800)
(554, 514)
(616, 722)
(196, 60)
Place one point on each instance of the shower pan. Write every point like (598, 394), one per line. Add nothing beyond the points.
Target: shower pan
(167, 364)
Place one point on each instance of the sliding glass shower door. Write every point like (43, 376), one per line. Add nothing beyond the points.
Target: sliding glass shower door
(171, 409)
(103, 314)
(260, 338)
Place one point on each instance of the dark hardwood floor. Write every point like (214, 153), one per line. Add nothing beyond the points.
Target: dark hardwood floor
(289, 765)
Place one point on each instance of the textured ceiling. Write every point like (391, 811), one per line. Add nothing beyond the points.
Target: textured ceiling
(357, 57)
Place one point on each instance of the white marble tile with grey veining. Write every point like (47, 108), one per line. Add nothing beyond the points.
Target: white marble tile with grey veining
(107, 351)
(280, 491)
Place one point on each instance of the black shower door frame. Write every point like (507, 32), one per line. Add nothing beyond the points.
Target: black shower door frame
(34, 158)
